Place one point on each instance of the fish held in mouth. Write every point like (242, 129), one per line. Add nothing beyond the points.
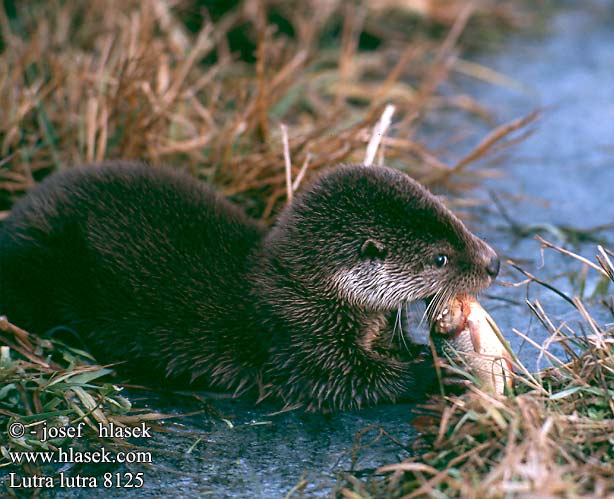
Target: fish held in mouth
(463, 329)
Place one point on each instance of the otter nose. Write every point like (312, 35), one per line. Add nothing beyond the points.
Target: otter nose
(493, 266)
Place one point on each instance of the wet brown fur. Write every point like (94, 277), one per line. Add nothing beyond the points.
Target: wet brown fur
(152, 267)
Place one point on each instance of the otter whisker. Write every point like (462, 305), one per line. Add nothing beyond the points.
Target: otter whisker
(442, 301)
(401, 332)
(397, 322)
(439, 302)
(442, 304)
(429, 311)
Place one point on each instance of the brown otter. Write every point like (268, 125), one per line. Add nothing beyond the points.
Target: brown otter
(152, 267)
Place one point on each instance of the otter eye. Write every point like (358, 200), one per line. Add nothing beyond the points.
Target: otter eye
(440, 260)
(373, 249)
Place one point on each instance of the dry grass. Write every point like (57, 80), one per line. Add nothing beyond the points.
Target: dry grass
(87, 81)
(553, 438)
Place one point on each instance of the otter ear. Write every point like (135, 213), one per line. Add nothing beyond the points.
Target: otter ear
(372, 249)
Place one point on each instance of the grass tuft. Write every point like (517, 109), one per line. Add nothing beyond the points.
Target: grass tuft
(43, 381)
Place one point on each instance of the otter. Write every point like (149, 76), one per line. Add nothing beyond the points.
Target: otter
(152, 267)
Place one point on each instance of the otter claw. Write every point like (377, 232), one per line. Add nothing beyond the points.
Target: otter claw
(442, 314)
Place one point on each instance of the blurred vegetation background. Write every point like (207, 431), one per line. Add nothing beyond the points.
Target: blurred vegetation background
(205, 85)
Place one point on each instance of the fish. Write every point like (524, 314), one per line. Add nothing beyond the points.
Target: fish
(465, 330)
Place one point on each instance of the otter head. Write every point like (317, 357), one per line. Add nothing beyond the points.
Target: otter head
(375, 239)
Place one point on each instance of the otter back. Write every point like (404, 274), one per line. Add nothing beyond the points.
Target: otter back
(146, 262)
